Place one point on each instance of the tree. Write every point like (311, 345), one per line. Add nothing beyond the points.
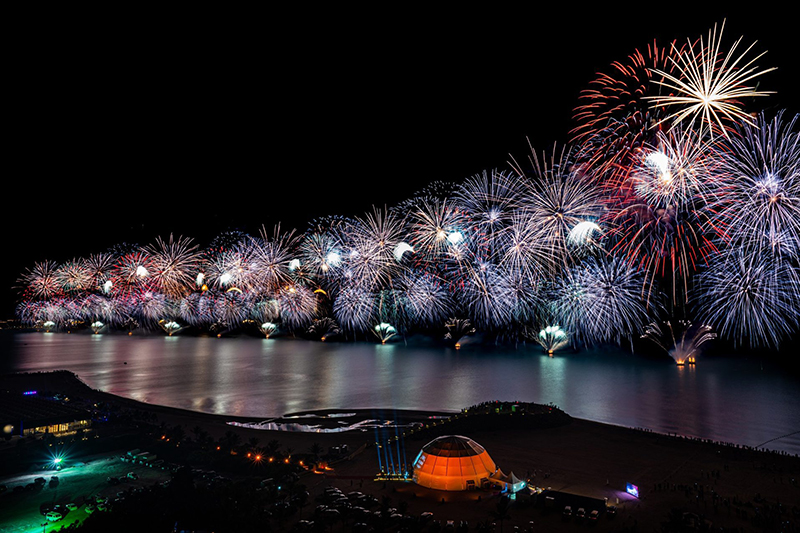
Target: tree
(501, 511)
(230, 440)
(272, 447)
(316, 449)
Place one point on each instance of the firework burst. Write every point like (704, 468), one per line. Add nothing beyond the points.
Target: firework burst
(40, 282)
(601, 300)
(614, 117)
(658, 217)
(174, 265)
(752, 299)
(758, 207)
(709, 85)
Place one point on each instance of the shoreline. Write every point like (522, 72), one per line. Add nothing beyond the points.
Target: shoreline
(574, 456)
(70, 382)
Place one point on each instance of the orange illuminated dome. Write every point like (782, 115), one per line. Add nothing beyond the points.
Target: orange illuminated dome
(453, 462)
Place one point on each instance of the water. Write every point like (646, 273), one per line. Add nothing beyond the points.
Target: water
(738, 400)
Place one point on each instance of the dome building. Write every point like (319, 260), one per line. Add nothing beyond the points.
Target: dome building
(453, 462)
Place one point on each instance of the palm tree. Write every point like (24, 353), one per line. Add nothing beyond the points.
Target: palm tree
(230, 440)
(177, 433)
(501, 511)
(316, 450)
(272, 447)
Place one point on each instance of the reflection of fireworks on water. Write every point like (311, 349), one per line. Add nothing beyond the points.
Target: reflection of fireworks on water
(684, 347)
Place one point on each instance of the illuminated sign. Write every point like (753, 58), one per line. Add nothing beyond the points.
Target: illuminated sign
(632, 489)
(29, 393)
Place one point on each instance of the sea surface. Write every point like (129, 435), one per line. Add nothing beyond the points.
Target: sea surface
(742, 400)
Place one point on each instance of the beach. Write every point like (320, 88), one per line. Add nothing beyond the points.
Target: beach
(678, 479)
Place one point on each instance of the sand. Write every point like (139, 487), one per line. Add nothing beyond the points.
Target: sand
(723, 484)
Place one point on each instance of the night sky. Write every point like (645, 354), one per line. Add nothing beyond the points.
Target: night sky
(197, 124)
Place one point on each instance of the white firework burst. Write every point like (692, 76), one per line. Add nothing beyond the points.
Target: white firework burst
(708, 85)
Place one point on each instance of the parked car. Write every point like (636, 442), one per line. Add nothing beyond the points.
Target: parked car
(71, 506)
(567, 511)
(580, 513)
(594, 515)
(53, 516)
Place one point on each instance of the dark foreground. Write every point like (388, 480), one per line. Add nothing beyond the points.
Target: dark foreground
(225, 477)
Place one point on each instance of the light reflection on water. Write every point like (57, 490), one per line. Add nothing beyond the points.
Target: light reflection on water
(731, 400)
